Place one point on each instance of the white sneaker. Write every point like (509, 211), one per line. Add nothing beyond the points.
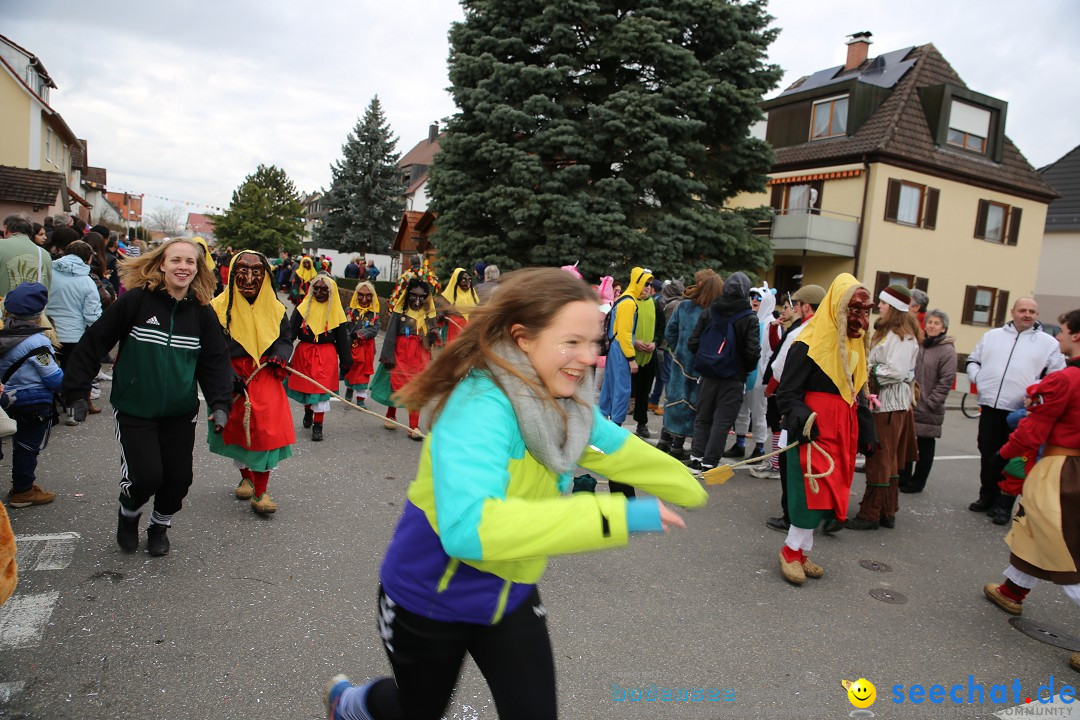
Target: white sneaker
(102, 375)
(95, 392)
(765, 472)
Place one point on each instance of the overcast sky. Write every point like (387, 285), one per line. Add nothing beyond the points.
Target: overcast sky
(183, 100)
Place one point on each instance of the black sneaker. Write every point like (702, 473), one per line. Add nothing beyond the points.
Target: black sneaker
(309, 417)
(735, 451)
(127, 532)
(694, 465)
(157, 542)
(833, 526)
(980, 506)
(1000, 516)
(316, 432)
(348, 394)
(643, 431)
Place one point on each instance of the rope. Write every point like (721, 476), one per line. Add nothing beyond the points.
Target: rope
(810, 475)
(247, 401)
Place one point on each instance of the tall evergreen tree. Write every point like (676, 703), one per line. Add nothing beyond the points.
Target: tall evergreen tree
(265, 214)
(609, 132)
(366, 199)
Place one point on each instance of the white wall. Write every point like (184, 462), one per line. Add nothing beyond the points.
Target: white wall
(340, 260)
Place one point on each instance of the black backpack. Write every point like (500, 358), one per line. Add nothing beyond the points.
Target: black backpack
(716, 356)
(609, 328)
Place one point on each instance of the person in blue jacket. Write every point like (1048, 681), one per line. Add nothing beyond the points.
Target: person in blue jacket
(514, 414)
(25, 347)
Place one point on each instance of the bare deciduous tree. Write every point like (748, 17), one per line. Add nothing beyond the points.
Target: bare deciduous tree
(169, 220)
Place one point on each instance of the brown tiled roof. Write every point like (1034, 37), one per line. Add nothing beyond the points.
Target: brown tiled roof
(422, 153)
(34, 187)
(898, 132)
(1064, 176)
(95, 177)
(78, 155)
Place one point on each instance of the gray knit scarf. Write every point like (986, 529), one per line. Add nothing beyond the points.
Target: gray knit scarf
(556, 444)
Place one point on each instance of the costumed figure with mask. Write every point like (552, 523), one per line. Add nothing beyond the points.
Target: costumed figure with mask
(455, 304)
(406, 349)
(323, 352)
(259, 433)
(302, 277)
(363, 327)
(825, 373)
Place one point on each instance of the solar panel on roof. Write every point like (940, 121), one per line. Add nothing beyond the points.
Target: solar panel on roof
(884, 71)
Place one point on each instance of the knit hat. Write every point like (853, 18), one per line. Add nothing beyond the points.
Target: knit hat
(896, 295)
(809, 294)
(27, 299)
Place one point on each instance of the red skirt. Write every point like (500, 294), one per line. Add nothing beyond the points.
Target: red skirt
(838, 428)
(319, 361)
(411, 358)
(454, 325)
(363, 362)
(270, 420)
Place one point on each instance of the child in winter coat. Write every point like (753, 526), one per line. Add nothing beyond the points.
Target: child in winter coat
(30, 374)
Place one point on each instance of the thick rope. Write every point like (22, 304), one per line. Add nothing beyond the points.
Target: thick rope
(247, 402)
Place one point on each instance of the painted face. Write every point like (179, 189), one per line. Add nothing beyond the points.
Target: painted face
(934, 326)
(180, 265)
(418, 298)
(1024, 314)
(250, 273)
(464, 282)
(321, 291)
(858, 316)
(563, 350)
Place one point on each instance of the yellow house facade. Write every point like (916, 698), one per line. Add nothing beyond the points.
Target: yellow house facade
(880, 172)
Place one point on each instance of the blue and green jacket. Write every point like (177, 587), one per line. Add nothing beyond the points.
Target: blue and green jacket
(483, 515)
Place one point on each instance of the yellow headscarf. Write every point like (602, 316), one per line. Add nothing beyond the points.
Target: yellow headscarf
(306, 269)
(254, 325)
(355, 304)
(842, 358)
(322, 317)
(463, 301)
(206, 249)
(422, 316)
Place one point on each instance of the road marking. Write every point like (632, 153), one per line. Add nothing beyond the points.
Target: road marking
(23, 619)
(9, 690)
(45, 552)
(957, 457)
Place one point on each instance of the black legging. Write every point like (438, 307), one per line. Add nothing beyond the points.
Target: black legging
(514, 655)
(913, 476)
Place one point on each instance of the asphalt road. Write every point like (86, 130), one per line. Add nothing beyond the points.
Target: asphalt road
(248, 616)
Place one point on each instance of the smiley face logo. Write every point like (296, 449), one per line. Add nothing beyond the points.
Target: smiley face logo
(861, 693)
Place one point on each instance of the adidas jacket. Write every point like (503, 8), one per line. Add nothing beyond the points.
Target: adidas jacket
(166, 346)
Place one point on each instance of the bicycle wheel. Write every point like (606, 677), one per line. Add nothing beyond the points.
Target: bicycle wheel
(972, 409)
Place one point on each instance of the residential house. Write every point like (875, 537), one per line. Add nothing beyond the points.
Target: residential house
(892, 169)
(413, 237)
(314, 216)
(128, 206)
(199, 225)
(1056, 290)
(33, 135)
(414, 167)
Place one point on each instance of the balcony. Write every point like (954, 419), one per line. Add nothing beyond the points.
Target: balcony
(813, 232)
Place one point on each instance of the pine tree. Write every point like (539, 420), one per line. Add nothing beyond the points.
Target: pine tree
(366, 199)
(265, 214)
(609, 132)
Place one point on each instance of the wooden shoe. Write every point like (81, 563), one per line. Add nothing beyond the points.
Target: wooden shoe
(415, 434)
(389, 425)
(1010, 606)
(263, 504)
(792, 571)
(812, 569)
(244, 490)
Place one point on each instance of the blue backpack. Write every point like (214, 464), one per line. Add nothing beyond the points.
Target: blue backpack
(716, 355)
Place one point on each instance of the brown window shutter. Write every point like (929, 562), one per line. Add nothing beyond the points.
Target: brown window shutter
(923, 284)
(969, 304)
(980, 219)
(881, 281)
(1014, 226)
(777, 200)
(1001, 306)
(930, 215)
(892, 200)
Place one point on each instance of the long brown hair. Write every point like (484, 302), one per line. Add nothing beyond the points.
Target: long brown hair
(145, 272)
(901, 322)
(530, 298)
(707, 287)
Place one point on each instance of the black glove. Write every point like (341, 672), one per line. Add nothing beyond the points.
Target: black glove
(238, 386)
(795, 423)
(219, 418)
(78, 409)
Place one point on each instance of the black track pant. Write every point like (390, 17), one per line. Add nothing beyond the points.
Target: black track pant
(993, 434)
(426, 655)
(156, 456)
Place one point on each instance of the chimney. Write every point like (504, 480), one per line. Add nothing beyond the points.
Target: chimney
(857, 49)
(433, 129)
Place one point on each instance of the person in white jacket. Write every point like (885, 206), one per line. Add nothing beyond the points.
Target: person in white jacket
(1003, 364)
(891, 364)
